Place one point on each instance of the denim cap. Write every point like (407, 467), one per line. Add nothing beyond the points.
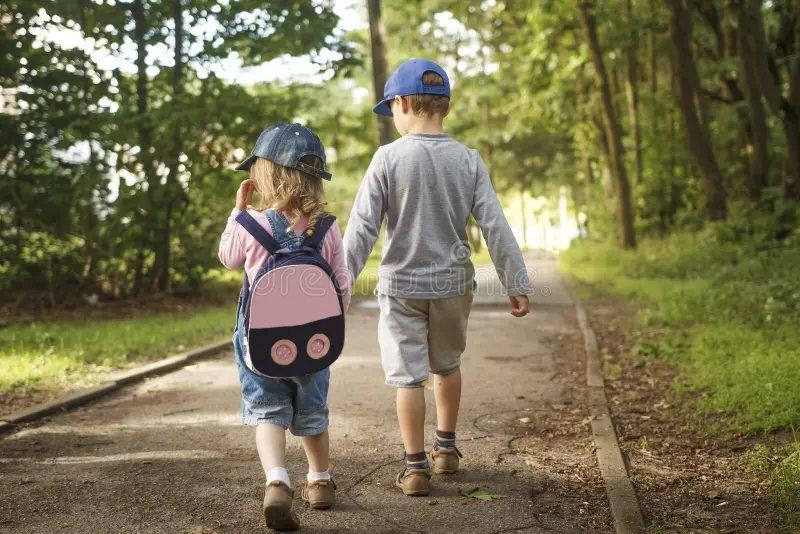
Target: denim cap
(285, 144)
(407, 80)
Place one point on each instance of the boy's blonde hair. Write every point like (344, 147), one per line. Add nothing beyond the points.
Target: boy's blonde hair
(290, 190)
(429, 105)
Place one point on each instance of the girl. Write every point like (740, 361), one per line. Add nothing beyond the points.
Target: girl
(286, 167)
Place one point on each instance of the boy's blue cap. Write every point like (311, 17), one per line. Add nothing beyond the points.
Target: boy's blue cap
(407, 80)
(285, 144)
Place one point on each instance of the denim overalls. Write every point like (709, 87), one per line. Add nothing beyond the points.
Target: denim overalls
(300, 403)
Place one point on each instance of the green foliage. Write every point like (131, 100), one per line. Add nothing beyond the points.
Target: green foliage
(123, 172)
(730, 311)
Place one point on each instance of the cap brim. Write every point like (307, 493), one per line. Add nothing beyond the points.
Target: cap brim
(246, 164)
(383, 108)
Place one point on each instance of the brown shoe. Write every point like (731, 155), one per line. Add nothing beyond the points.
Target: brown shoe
(320, 494)
(414, 482)
(445, 461)
(278, 507)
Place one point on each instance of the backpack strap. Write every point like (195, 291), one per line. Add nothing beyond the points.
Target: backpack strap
(320, 229)
(258, 232)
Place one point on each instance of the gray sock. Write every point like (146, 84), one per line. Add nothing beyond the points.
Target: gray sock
(417, 460)
(444, 440)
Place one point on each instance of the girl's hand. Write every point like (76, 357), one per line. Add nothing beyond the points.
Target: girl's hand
(245, 194)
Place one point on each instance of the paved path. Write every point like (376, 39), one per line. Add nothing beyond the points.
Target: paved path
(169, 455)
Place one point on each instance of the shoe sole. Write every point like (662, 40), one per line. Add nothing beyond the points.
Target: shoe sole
(279, 518)
(320, 505)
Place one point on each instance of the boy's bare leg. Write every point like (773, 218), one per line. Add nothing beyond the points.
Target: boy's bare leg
(271, 445)
(447, 390)
(317, 449)
(411, 416)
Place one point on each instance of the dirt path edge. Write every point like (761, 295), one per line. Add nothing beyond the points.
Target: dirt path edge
(9, 422)
(620, 491)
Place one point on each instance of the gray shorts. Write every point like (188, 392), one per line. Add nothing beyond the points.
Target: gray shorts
(421, 336)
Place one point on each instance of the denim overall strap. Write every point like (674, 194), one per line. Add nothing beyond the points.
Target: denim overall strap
(320, 229)
(281, 230)
(257, 231)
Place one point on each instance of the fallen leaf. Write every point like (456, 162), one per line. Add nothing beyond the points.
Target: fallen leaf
(481, 495)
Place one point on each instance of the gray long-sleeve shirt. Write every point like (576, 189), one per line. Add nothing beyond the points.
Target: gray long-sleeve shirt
(427, 185)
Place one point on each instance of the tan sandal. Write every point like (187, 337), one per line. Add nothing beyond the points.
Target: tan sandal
(445, 461)
(320, 494)
(414, 482)
(277, 507)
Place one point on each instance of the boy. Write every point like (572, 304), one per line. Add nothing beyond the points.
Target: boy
(427, 184)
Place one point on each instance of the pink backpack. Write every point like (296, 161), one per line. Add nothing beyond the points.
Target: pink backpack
(293, 313)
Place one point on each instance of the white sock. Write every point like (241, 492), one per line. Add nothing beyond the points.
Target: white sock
(313, 476)
(278, 473)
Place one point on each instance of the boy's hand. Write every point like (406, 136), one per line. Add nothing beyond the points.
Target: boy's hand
(519, 305)
(245, 194)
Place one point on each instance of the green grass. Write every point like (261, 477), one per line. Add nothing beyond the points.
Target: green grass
(729, 311)
(781, 468)
(48, 355)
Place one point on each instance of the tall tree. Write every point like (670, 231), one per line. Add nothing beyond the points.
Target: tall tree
(731, 50)
(693, 110)
(377, 40)
(758, 138)
(632, 90)
(772, 78)
(613, 132)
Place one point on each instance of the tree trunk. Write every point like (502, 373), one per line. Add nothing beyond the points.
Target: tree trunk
(632, 96)
(693, 110)
(758, 132)
(145, 137)
(791, 162)
(172, 186)
(584, 147)
(89, 218)
(732, 43)
(616, 152)
(384, 133)
(139, 30)
(770, 85)
(673, 192)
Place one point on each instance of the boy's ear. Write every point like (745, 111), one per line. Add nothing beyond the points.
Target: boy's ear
(403, 103)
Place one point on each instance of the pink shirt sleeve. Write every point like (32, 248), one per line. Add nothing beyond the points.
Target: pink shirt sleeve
(237, 249)
(232, 243)
(333, 252)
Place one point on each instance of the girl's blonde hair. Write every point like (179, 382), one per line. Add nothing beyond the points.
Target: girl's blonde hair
(290, 190)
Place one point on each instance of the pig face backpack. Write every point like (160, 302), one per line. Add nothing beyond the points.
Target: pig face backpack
(293, 314)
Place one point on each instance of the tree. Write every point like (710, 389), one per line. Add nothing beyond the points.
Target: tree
(616, 152)
(693, 110)
(632, 91)
(384, 127)
(763, 66)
